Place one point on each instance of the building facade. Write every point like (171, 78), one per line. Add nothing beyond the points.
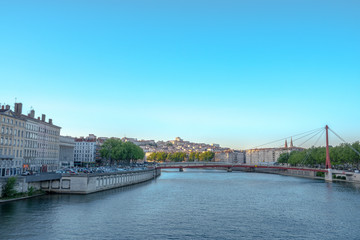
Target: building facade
(85, 150)
(230, 156)
(12, 133)
(48, 145)
(268, 155)
(27, 143)
(67, 150)
(31, 162)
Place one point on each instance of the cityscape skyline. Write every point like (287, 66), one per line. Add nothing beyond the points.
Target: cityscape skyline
(239, 74)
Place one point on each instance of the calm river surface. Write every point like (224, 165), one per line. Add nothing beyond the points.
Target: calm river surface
(194, 204)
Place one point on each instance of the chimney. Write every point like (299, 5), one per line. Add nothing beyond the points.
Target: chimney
(32, 113)
(2, 107)
(43, 117)
(38, 118)
(286, 146)
(7, 107)
(18, 108)
(50, 121)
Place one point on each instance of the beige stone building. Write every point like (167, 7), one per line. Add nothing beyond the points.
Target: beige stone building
(268, 155)
(48, 145)
(12, 133)
(230, 156)
(41, 143)
(27, 143)
(31, 143)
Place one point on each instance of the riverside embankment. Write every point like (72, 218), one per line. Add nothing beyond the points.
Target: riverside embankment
(316, 173)
(81, 183)
(346, 176)
(90, 183)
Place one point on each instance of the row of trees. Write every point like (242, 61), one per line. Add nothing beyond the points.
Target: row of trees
(181, 156)
(341, 155)
(119, 152)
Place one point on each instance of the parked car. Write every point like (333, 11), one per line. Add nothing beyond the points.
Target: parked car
(25, 173)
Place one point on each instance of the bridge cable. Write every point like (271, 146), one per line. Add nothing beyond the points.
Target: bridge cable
(312, 137)
(311, 149)
(346, 143)
(307, 135)
(308, 153)
(311, 131)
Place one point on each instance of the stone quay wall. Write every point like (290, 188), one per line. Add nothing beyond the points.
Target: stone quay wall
(90, 183)
(349, 176)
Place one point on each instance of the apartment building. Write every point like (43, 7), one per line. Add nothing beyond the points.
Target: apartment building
(85, 150)
(268, 155)
(67, 150)
(27, 143)
(12, 133)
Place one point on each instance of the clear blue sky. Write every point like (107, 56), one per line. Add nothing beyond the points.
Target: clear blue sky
(238, 73)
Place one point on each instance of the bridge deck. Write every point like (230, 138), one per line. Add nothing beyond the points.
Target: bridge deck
(225, 165)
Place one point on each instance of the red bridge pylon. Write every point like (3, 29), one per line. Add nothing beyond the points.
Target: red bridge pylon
(328, 163)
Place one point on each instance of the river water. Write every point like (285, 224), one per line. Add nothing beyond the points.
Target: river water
(194, 204)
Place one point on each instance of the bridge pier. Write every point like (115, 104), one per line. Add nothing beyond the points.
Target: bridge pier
(328, 175)
(229, 169)
(181, 169)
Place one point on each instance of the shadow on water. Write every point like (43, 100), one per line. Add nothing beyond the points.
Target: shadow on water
(346, 187)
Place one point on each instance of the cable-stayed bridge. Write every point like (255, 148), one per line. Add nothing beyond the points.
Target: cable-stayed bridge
(303, 138)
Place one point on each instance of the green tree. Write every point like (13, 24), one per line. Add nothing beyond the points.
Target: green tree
(152, 156)
(192, 157)
(197, 156)
(162, 156)
(177, 157)
(117, 151)
(284, 158)
(9, 188)
(206, 156)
